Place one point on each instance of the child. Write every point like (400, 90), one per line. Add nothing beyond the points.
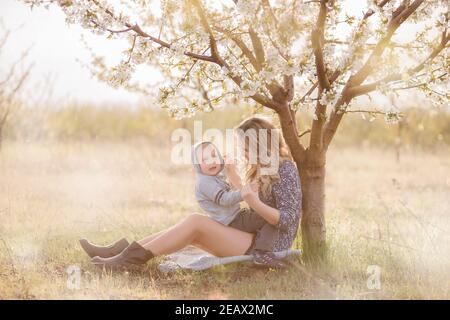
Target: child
(213, 193)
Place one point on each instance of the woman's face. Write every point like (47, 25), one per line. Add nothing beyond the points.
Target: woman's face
(247, 144)
(242, 147)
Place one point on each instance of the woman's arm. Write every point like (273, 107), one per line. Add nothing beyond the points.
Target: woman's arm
(250, 195)
(288, 197)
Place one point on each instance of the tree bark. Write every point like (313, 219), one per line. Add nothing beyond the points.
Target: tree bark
(312, 176)
(311, 168)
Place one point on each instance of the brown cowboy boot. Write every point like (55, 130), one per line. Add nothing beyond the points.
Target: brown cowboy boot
(134, 254)
(104, 251)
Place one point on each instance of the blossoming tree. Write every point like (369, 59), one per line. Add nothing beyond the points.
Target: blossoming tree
(290, 56)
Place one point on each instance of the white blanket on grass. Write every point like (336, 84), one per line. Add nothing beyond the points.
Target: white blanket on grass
(192, 258)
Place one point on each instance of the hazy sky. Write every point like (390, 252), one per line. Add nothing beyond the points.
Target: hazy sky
(56, 49)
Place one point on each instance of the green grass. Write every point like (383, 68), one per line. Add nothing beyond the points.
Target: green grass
(379, 212)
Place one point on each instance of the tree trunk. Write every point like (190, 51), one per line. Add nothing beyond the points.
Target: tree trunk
(313, 228)
(311, 167)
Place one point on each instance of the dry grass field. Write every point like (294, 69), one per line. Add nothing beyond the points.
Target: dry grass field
(394, 215)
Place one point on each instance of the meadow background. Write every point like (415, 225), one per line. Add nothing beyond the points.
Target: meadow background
(105, 172)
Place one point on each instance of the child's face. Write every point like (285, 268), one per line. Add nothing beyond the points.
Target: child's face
(209, 160)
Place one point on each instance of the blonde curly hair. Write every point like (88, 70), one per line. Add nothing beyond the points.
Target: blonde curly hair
(256, 146)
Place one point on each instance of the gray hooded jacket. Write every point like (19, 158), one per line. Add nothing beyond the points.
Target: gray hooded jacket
(213, 193)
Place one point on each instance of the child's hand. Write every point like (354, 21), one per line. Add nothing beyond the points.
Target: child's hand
(232, 172)
(228, 159)
(229, 162)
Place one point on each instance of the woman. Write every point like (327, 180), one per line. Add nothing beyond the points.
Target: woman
(277, 202)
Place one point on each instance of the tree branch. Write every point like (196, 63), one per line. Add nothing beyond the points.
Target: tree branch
(317, 39)
(222, 63)
(137, 29)
(206, 26)
(337, 73)
(242, 46)
(367, 88)
(399, 16)
(290, 134)
(304, 132)
(258, 48)
(140, 32)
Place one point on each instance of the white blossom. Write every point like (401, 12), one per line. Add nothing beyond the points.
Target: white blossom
(246, 7)
(120, 74)
(178, 48)
(249, 88)
(286, 42)
(291, 68)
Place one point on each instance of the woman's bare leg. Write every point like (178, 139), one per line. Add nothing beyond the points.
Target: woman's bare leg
(149, 238)
(153, 236)
(142, 242)
(210, 235)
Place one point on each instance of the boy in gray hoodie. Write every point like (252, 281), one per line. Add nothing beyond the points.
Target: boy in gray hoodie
(213, 193)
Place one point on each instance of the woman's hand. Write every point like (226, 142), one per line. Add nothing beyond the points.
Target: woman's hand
(249, 193)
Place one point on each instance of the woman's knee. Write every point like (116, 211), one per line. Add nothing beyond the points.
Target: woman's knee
(195, 221)
(194, 218)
